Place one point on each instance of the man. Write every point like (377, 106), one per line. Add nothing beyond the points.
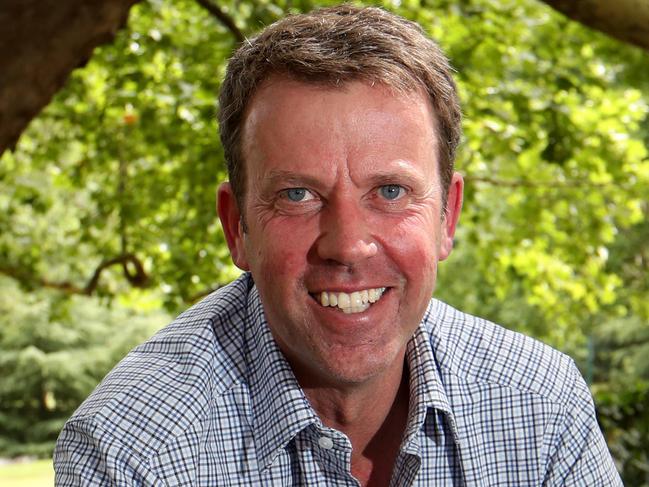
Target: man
(327, 363)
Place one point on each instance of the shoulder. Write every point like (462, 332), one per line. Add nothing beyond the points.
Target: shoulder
(169, 383)
(475, 350)
(511, 393)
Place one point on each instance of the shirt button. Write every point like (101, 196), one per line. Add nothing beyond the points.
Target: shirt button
(325, 443)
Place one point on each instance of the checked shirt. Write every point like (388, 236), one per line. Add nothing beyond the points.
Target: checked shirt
(211, 401)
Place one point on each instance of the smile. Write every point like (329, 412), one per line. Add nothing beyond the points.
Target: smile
(355, 302)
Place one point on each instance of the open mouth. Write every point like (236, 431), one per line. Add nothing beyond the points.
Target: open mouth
(355, 302)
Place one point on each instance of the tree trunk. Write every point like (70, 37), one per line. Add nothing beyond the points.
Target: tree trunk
(41, 42)
(626, 20)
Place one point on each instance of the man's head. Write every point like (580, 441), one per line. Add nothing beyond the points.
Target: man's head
(347, 212)
(331, 47)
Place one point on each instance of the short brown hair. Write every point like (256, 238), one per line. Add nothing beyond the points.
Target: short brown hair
(331, 46)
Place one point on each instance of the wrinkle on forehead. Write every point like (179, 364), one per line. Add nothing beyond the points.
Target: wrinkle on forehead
(274, 107)
(315, 90)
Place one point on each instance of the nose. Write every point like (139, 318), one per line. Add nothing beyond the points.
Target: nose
(345, 236)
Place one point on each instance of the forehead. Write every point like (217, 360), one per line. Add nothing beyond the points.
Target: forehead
(289, 116)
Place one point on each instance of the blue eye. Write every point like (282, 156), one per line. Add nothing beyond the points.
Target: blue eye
(297, 194)
(391, 191)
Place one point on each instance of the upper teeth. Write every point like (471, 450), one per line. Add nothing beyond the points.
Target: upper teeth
(355, 302)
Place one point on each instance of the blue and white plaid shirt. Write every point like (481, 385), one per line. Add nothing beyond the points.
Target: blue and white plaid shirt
(210, 400)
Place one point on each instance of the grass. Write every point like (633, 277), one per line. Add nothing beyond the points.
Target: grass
(28, 474)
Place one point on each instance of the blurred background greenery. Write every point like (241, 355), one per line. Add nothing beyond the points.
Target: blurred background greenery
(108, 227)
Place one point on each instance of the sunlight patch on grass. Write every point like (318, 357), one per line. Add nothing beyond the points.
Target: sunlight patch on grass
(27, 474)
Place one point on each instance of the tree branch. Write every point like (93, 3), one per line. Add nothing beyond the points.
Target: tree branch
(635, 342)
(27, 83)
(522, 183)
(626, 20)
(21, 275)
(224, 18)
(136, 277)
(139, 279)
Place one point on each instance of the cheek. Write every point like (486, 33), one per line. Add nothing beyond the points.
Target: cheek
(414, 247)
(417, 240)
(279, 251)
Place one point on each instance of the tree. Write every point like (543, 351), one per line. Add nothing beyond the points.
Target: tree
(554, 138)
(40, 43)
(71, 29)
(626, 20)
(110, 191)
(53, 352)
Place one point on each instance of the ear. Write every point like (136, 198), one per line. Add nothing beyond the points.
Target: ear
(451, 215)
(230, 217)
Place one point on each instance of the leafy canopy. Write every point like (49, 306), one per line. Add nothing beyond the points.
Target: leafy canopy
(116, 179)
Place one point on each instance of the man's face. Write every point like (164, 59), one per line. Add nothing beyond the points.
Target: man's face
(342, 205)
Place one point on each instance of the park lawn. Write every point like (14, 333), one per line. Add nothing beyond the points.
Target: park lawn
(28, 474)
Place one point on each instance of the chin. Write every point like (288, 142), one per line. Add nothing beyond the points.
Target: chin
(358, 366)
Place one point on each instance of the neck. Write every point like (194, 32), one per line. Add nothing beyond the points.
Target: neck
(373, 416)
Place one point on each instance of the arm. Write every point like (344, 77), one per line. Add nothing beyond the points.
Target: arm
(86, 454)
(579, 455)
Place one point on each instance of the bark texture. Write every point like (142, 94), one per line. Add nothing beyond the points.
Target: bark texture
(626, 20)
(41, 42)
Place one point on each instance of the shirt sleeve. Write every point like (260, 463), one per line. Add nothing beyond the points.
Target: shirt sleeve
(579, 455)
(86, 454)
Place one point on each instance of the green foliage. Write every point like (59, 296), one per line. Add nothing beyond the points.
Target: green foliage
(126, 159)
(554, 159)
(53, 352)
(624, 413)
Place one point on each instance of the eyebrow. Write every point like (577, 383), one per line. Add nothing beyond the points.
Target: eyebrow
(278, 176)
(390, 177)
(402, 174)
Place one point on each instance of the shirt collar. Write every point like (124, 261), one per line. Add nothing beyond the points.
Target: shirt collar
(426, 384)
(280, 409)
